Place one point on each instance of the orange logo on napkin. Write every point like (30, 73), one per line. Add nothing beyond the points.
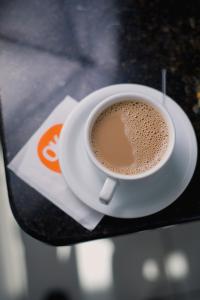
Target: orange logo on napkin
(48, 148)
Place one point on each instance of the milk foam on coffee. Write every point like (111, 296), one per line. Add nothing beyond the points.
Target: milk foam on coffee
(130, 137)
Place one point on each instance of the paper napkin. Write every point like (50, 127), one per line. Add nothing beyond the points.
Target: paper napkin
(37, 164)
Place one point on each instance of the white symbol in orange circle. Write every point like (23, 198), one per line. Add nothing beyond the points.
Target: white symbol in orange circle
(48, 148)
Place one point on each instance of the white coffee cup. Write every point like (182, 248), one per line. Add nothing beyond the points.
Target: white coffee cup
(113, 178)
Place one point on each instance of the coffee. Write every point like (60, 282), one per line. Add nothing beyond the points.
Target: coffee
(130, 137)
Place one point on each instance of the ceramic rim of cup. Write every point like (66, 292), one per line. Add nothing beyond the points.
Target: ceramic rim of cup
(97, 110)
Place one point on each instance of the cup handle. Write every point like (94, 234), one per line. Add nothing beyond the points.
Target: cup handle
(108, 190)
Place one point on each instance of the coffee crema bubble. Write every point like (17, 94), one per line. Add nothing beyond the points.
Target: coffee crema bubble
(129, 137)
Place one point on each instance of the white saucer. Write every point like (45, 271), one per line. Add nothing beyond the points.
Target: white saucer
(131, 200)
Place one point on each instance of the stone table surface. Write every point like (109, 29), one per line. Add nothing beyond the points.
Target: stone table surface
(52, 48)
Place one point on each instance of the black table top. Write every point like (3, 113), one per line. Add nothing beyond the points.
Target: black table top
(52, 48)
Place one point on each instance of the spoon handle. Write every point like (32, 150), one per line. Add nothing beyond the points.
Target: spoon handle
(164, 85)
